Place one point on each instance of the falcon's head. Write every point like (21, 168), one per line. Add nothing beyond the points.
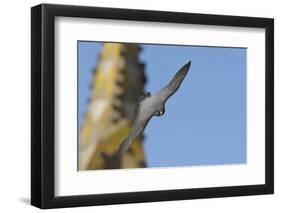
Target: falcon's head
(160, 112)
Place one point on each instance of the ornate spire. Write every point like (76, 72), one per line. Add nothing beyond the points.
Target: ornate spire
(118, 82)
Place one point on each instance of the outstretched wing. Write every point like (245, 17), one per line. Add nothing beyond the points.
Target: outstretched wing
(139, 123)
(164, 94)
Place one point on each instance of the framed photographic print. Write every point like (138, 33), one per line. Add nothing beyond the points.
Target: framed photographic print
(140, 106)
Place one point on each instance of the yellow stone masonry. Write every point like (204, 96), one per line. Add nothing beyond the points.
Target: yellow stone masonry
(118, 82)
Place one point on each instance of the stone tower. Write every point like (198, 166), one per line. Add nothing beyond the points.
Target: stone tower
(118, 82)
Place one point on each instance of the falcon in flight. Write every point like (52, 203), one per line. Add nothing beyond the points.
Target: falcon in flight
(152, 105)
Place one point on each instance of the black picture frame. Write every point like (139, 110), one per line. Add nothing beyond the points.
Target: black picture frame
(43, 105)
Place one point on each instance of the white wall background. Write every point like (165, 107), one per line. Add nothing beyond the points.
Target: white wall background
(15, 105)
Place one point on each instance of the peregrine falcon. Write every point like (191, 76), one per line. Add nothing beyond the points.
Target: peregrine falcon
(152, 105)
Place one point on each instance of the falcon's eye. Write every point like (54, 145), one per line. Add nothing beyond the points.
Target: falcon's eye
(162, 112)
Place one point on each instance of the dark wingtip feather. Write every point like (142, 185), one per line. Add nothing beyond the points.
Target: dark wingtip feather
(187, 66)
(183, 71)
(122, 148)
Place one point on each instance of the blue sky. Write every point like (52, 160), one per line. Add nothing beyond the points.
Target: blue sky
(205, 121)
